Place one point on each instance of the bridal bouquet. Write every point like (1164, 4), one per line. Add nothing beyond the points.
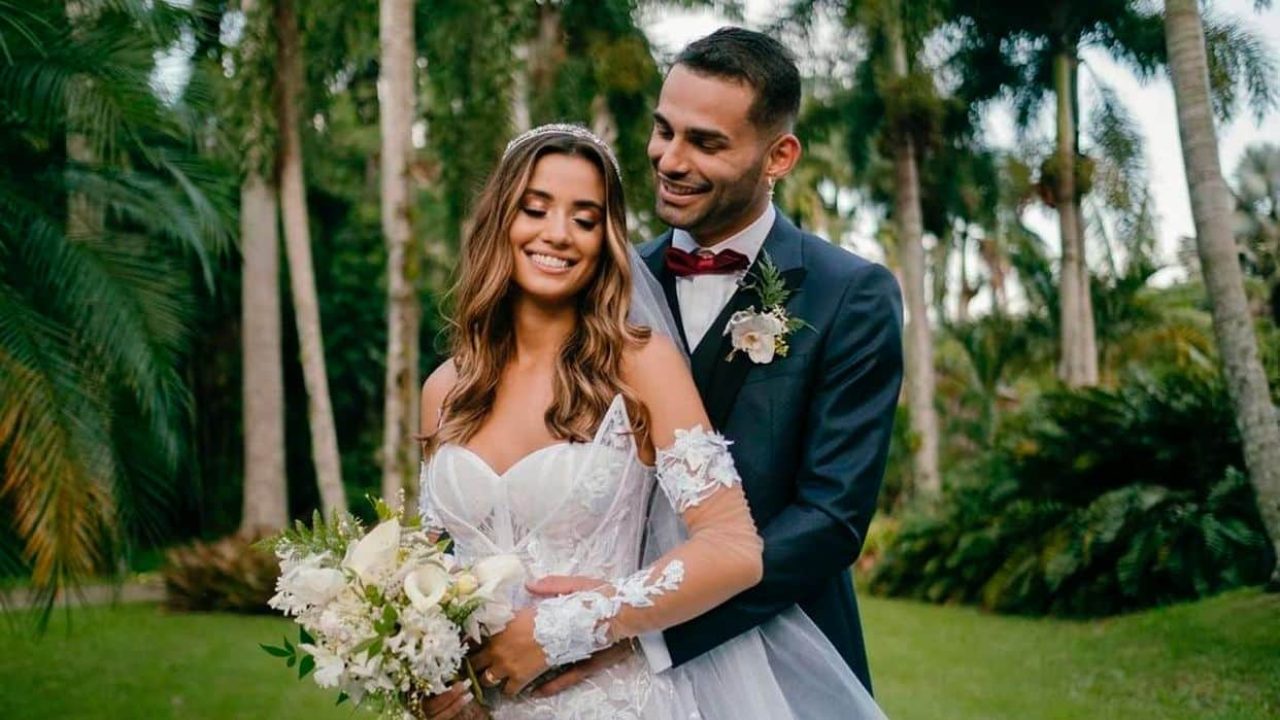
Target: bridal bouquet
(385, 614)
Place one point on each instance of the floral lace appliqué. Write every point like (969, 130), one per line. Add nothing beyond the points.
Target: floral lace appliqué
(572, 627)
(695, 465)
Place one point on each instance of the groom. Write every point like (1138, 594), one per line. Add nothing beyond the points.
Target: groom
(810, 429)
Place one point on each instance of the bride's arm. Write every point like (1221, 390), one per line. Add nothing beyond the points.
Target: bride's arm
(721, 558)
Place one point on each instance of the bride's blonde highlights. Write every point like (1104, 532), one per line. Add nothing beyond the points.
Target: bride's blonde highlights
(588, 370)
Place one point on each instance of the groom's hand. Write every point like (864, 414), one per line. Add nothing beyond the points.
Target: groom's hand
(513, 658)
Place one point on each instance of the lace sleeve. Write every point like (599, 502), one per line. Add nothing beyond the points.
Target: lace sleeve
(721, 558)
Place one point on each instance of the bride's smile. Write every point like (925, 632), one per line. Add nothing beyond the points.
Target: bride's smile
(558, 233)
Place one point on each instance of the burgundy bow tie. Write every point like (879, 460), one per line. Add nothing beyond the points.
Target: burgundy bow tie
(684, 264)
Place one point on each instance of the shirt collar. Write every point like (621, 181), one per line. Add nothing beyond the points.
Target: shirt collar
(748, 241)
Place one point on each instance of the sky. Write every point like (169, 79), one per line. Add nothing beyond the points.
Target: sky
(1151, 103)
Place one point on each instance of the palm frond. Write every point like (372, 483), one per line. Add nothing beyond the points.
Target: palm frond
(1242, 66)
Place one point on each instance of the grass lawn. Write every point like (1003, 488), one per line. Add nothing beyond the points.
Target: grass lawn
(1212, 660)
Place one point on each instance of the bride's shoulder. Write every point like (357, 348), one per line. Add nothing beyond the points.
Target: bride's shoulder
(653, 365)
(434, 391)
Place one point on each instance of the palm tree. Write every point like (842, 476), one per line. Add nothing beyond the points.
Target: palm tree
(1034, 50)
(297, 239)
(1258, 216)
(397, 101)
(894, 106)
(1211, 207)
(265, 497)
(93, 316)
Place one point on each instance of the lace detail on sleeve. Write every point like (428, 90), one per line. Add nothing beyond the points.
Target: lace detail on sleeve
(695, 466)
(426, 509)
(572, 627)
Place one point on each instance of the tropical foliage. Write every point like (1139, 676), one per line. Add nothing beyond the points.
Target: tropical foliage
(1100, 501)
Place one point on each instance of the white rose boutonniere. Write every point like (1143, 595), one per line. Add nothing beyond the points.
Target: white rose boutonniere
(762, 332)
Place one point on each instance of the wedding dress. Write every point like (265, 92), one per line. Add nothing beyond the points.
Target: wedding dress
(582, 509)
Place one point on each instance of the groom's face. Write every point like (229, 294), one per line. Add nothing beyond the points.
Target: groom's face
(707, 155)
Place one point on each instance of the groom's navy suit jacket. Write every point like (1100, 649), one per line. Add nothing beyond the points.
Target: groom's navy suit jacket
(810, 434)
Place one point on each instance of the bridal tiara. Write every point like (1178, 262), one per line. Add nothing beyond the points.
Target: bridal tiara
(577, 131)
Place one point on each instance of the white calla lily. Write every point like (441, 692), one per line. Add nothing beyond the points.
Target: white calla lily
(426, 586)
(375, 552)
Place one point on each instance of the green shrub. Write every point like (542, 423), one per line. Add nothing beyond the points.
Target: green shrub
(1101, 502)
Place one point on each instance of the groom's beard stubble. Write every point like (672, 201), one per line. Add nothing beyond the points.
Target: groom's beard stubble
(724, 210)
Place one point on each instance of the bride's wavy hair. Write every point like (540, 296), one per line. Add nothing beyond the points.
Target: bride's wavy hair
(588, 370)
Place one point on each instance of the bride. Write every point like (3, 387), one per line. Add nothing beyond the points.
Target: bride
(564, 409)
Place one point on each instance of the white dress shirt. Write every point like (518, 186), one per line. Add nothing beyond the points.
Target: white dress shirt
(702, 298)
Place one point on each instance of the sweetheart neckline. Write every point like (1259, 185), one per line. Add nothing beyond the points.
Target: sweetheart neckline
(527, 456)
(617, 397)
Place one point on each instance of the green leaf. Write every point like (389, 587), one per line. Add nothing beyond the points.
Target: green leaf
(304, 637)
(342, 697)
(275, 651)
(306, 666)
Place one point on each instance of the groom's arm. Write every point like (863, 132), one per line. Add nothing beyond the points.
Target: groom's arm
(848, 425)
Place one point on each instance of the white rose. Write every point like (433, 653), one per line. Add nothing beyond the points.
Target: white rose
(374, 554)
(498, 575)
(426, 586)
(755, 334)
(317, 586)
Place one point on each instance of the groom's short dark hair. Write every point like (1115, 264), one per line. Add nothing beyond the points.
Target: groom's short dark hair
(756, 59)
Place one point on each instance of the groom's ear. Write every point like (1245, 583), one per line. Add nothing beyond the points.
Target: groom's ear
(784, 153)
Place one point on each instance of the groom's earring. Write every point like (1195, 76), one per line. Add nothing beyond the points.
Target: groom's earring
(772, 181)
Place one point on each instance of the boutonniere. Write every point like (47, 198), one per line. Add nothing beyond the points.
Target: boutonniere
(762, 332)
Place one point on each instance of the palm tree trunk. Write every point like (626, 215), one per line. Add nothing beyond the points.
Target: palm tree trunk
(1211, 207)
(85, 216)
(297, 238)
(265, 498)
(920, 378)
(397, 98)
(1078, 364)
(265, 487)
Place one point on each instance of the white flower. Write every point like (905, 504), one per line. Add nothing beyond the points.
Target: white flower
(375, 553)
(426, 586)
(498, 574)
(756, 334)
(329, 666)
(317, 586)
(466, 584)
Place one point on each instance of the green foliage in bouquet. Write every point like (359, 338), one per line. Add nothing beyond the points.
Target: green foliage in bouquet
(1103, 501)
(229, 575)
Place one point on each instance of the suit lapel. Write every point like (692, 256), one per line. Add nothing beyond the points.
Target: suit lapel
(718, 378)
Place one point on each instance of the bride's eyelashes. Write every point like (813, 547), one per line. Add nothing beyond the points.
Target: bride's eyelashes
(587, 224)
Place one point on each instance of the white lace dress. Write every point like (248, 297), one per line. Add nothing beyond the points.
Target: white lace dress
(581, 509)
(567, 509)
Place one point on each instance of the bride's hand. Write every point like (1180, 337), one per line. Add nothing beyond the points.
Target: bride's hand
(512, 658)
(456, 703)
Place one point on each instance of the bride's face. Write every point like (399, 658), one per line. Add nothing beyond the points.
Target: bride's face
(558, 234)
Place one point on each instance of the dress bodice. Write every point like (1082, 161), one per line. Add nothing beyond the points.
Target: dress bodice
(565, 509)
